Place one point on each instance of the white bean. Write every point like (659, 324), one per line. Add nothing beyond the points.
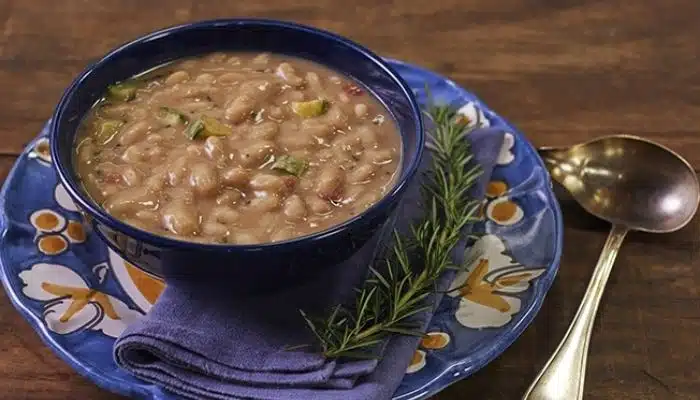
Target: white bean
(132, 176)
(235, 176)
(264, 204)
(205, 78)
(217, 57)
(215, 149)
(183, 194)
(294, 207)
(225, 215)
(315, 83)
(330, 182)
(195, 106)
(229, 197)
(212, 228)
(86, 151)
(380, 157)
(361, 173)
(156, 182)
(177, 77)
(148, 217)
(265, 130)
(261, 59)
(317, 128)
(282, 234)
(367, 136)
(289, 74)
(336, 117)
(319, 206)
(277, 184)
(194, 150)
(230, 77)
(204, 179)
(276, 112)
(254, 154)
(154, 138)
(244, 238)
(130, 200)
(177, 171)
(196, 91)
(360, 110)
(350, 144)
(258, 89)
(180, 218)
(239, 109)
(133, 132)
(134, 154)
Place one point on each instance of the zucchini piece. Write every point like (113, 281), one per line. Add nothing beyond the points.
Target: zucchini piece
(311, 108)
(171, 116)
(212, 127)
(206, 126)
(194, 129)
(124, 91)
(290, 165)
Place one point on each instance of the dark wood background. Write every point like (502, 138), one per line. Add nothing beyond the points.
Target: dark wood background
(563, 71)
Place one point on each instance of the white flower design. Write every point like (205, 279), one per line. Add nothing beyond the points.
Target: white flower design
(71, 305)
(488, 285)
(63, 199)
(472, 116)
(506, 155)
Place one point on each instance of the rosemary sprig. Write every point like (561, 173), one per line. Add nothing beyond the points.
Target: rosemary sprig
(401, 283)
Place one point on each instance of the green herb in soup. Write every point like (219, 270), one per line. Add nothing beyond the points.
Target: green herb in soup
(311, 108)
(290, 165)
(125, 91)
(171, 117)
(237, 148)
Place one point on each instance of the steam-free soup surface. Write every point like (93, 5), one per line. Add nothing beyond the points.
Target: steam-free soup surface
(237, 148)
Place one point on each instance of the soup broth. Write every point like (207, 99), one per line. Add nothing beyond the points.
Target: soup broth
(237, 148)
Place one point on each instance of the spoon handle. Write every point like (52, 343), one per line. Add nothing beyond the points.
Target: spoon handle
(563, 376)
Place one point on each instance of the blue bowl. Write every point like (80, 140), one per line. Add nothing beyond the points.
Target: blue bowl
(250, 267)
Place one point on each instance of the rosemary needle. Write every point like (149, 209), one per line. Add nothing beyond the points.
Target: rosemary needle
(401, 283)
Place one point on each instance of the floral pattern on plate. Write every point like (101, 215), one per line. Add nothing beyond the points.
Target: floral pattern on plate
(79, 295)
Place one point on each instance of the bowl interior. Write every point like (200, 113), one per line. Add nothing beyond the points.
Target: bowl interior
(235, 35)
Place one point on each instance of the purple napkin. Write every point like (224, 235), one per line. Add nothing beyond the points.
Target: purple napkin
(200, 342)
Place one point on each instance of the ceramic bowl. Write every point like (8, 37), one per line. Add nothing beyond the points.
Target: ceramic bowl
(248, 267)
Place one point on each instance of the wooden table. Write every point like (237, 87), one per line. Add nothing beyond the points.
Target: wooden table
(562, 71)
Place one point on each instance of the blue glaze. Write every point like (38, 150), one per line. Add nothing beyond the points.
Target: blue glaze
(250, 265)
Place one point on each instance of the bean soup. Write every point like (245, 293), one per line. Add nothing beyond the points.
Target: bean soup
(237, 148)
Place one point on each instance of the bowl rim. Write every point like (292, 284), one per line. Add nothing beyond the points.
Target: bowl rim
(99, 214)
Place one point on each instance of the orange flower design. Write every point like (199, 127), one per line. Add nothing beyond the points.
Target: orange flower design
(486, 288)
(71, 305)
(54, 233)
(41, 151)
(431, 341)
(499, 208)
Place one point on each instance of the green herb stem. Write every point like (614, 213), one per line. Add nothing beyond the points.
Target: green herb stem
(401, 283)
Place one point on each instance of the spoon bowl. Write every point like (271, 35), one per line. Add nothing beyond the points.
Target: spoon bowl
(634, 184)
(627, 180)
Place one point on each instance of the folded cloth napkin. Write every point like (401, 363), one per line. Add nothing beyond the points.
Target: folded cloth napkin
(200, 342)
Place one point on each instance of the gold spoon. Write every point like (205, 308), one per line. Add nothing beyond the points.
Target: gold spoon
(634, 184)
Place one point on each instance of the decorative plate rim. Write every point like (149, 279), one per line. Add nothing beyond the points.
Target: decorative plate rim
(505, 338)
(477, 359)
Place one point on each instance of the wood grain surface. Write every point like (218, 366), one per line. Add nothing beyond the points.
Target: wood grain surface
(563, 71)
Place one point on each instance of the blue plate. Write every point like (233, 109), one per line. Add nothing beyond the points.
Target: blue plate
(79, 296)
